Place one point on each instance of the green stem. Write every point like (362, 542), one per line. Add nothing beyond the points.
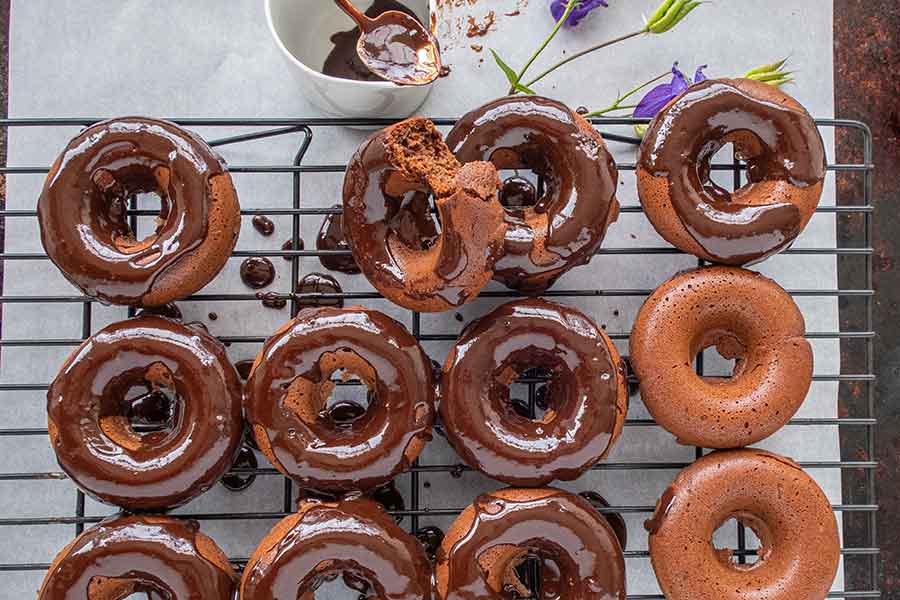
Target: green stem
(569, 8)
(566, 61)
(617, 104)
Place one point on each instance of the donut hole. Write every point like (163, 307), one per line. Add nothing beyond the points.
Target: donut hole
(115, 588)
(137, 183)
(524, 391)
(741, 146)
(335, 582)
(526, 175)
(519, 188)
(723, 355)
(413, 218)
(338, 397)
(141, 407)
(741, 541)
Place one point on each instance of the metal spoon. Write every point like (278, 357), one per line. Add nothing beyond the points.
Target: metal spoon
(396, 46)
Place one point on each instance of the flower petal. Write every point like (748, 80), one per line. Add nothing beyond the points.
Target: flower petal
(699, 75)
(581, 10)
(657, 98)
(557, 9)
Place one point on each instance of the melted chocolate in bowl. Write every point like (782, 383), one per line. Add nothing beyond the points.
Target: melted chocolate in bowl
(343, 60)
(779, 144)
(401, 50)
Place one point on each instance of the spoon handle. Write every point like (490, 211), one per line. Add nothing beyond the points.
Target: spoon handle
(354, 13)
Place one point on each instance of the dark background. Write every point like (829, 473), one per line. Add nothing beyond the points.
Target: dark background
(867, 88)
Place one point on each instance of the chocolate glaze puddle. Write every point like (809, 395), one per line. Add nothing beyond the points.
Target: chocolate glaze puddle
(257, 272)
(288, 245)
(331, 237)
(318, 283)
(264, 225)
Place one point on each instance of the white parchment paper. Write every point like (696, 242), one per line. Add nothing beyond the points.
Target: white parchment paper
(205, 58)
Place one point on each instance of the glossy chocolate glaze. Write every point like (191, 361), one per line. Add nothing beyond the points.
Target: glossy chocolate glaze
(778, 142)
(663, 506)
(318, 283)
(517, 193)
(288, 245)
(244, 367)
(373, 449)
(158, 555)
(585, 409)
(353, 539)
(331, 237)
(169, 310)
(82, 208)
(579, 553)
(236, 482)
(430, 537)
(615, 519)
(257, 272)
(271, 300)
(264, 225)
(375, 196)
(161, 468)
(343, 60)
(580, 178)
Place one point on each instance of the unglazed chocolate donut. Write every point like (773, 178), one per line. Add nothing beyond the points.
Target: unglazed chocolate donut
(354, 539)
(785, 160)
(393, 166)
(159, 557)
(290, 383)
(118, 379)
(800, 549)
(746, 317)
(83, 218)
(580, 554)
(567, 223)
(586, 394)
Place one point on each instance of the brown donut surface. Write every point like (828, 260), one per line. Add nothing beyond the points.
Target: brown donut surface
(83, 218)
(579, 552)
(785, 159)
(290, 384)
(566, 224)
(123, 557)
(116, 380)
(788, 512)
(391, 168)
(354, 539)
(586, 393)
(746, 317)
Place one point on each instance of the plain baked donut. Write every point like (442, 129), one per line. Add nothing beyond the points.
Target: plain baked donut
(390, 169)
(586, 393)
(746, 317)
(579, 551)
(800, 548)
(291, 381)
(785, 159)
(155, 557)
(566, 224)
(82, 212)
(117, 379)
(354, 539)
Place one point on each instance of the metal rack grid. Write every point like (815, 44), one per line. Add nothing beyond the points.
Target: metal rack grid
(863, 466)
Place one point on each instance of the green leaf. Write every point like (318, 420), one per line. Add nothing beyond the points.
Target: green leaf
(507, 70)
(521, 87)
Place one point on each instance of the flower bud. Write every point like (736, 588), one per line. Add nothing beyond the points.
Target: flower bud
(669, 14)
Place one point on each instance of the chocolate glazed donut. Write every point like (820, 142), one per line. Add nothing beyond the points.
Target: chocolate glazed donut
(746, 317)
(567, 223)
(83, 218)
(579, 553)
(159, 557)
(119, 437)
(799, 544)
(352, 538)
(785, 160)
(586, 393)
(395, 165)
(290, 383)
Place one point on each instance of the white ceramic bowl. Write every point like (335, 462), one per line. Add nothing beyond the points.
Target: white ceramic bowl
(302, 31)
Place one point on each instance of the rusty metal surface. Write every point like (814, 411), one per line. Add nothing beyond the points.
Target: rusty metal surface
(867, 87)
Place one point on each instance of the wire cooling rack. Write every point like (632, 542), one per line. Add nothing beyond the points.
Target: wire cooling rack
(858, 513)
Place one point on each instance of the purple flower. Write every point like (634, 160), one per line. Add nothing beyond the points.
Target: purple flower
(581, 10)
(657, 98)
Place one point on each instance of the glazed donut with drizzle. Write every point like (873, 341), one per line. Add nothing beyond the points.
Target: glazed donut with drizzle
(547, 235)
(146, 413)
(785, 159)
(83, 217)
(394, 166)
(357, 447)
